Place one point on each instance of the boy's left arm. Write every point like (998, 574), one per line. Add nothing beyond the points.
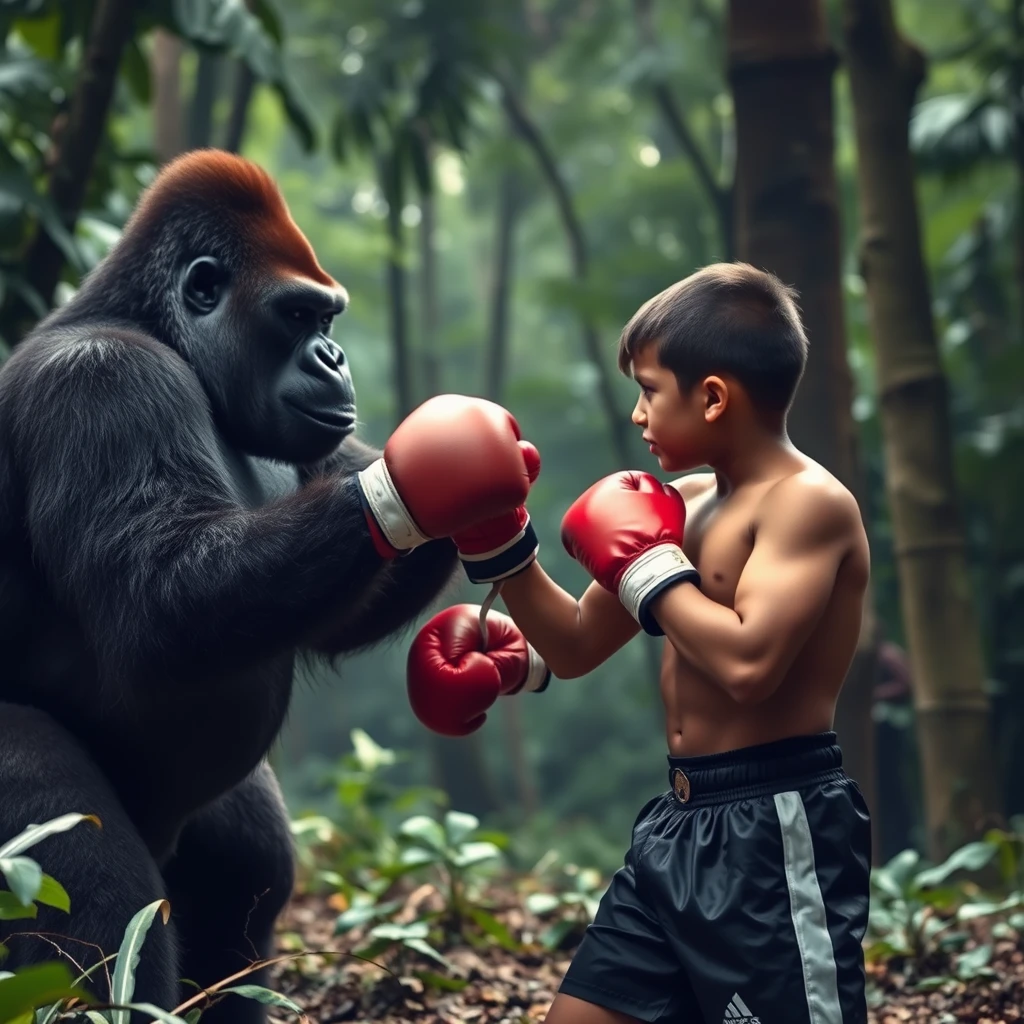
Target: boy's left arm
(804, 533)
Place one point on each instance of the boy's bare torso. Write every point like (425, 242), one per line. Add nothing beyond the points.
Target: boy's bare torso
(701, 718)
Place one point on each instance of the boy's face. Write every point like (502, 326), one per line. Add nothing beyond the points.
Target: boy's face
(673, 422)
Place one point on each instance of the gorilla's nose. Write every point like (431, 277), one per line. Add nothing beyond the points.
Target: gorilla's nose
(332, 356)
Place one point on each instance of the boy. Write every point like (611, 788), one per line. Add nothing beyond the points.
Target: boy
(743, 898)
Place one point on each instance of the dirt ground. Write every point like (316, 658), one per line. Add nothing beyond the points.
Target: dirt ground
(496, 986)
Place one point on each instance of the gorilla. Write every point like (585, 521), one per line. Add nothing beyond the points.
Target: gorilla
(180, 519)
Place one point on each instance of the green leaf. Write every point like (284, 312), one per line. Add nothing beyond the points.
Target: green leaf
(442, 982)
(901, 868)
(53, 894)
(12, 909)
(541, 903)
(424, 831)
(361, 913)
(370, 755)
(373, 949)
(970, 965)
(36, 833)
(459, 825)
(972, 911)
(42, 34)
(264, 995)
(932, 983)
(400, 932)
(135, 69)
(123, 986)
(552, 938)
(493, 927)
(886, 884)
(971, 857)
(424, 947)
(269, 19)
(500, 839)
(153, 1011)
(24, 876)
(469, 854)
(36, 986)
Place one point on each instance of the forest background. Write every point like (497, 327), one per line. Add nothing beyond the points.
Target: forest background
(500, 184)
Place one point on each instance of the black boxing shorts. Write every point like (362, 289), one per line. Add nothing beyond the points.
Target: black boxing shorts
(743, 898)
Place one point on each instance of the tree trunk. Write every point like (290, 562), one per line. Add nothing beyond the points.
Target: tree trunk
(234, 133)
(530, 134)
(79, 142)
(780, 64)
(618, 422)
(241, 96)
(401, 368)
(429, 299)
(509, 205)
(719, 196)
(200, 117)
(501, 285)
(939, 616)
(168, 127)
(1017, 111)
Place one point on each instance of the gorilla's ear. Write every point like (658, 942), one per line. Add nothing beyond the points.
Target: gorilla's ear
(203, 285)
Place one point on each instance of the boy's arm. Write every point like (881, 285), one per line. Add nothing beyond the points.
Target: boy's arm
(573, 637)
(805, 531)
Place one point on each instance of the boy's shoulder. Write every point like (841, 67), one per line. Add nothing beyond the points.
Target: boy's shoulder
(814, 497)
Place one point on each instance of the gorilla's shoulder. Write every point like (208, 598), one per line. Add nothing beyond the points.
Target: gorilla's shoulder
(92, 369)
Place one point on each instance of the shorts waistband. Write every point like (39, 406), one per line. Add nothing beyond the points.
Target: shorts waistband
(755, 771)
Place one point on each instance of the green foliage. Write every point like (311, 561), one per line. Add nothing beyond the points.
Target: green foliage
(28, 884)
(569, 904)
(361, 834)
(46, 993)
(254, 36)
(32, 987)
(918, 910)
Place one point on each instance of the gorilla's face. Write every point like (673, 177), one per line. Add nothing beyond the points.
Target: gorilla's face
(279, 384)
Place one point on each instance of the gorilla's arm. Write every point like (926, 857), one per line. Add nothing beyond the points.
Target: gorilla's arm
(402, 589)
(133, 517)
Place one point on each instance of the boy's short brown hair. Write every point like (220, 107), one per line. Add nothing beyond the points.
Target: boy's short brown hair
(726, 318)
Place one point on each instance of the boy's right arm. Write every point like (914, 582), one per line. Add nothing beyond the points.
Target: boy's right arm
(573, 637)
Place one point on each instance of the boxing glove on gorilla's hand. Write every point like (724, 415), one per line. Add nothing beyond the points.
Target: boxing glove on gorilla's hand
(500, 547)
(452, 680)
(451, 463)
(627, 532)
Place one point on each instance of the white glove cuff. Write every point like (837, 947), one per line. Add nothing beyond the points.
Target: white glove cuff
(655, 570)
(510, 558)
(388, 509)
(538, 675)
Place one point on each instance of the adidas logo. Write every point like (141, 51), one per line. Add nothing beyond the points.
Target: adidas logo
(737, 1012)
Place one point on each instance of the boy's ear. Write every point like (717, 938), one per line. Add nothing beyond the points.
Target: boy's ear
(716, 398)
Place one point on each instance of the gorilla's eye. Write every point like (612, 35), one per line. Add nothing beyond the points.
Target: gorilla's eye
(325, 322)
(204, 282)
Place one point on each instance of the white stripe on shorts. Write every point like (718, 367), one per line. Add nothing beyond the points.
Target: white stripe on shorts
(808, 912)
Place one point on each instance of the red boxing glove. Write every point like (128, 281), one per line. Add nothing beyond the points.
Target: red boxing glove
(452, 680)
(501, 547)
(451, 463)
(627, 532)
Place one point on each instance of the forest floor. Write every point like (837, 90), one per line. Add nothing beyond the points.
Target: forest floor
(492, 985)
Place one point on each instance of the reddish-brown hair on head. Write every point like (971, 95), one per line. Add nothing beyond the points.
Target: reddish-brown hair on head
(232, 187)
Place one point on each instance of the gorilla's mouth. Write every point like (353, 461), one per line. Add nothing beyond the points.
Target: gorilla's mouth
(343, 419)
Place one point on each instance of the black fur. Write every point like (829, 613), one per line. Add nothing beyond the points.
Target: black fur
(179, 520)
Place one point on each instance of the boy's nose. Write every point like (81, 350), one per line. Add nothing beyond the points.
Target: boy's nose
(638, 416)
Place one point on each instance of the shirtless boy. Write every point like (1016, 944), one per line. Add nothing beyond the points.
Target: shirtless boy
(743, 898)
